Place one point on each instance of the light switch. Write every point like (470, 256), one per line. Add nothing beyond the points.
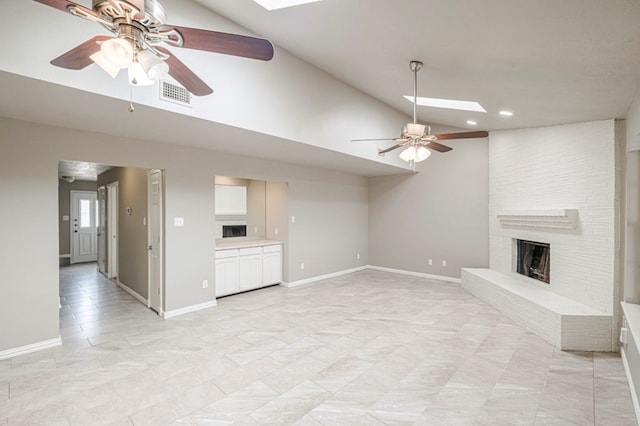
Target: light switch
(65, 218)
(178, 221)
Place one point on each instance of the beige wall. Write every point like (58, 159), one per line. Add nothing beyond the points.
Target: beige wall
(331, 208)
(132, 228)
(64, 206)
(440, 213)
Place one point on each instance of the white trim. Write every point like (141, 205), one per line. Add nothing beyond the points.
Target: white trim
(140, 298)
(188, 309)
(323, 277)
(65, 256)
(416, 274)
(632, 389)
(34, 347)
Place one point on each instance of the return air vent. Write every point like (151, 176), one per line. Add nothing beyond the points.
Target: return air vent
(174, 93)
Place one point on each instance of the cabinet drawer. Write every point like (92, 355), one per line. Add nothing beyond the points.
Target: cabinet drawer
(224, 254)
(250, 251)
(276, 248)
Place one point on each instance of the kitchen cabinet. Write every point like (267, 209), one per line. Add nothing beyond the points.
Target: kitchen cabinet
(247, 268)
(272, 264)
(227, 268)
(250, 268)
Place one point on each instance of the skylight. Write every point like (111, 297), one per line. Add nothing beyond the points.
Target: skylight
(281, 4)
(448, 103)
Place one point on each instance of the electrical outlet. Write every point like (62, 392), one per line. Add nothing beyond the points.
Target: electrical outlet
(430, 261)
(293, 219)
(444, 263)
(205, 283)
(275, 231)
(302, 266)
(358, 256)
(255, 230)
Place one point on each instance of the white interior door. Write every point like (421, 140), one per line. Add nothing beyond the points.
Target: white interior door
(102, 230)
(155, 239)
(112, 230)
(84, 226)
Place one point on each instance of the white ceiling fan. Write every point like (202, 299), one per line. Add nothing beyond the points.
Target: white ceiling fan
(417, 138)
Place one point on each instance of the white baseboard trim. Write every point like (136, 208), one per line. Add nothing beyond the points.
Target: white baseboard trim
(415, 274)
(632, 388)
(142, 300)
(188, 309)
(27, 349)
(65, 256)
(323, 277)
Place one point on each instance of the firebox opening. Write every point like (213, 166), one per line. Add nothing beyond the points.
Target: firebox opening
(534, 260)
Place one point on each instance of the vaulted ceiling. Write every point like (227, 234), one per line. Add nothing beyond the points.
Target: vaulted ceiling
(547, 61)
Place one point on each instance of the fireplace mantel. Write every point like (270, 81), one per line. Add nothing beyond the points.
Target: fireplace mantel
(551, 218)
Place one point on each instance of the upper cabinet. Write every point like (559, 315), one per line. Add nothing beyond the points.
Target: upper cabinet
(231, 200)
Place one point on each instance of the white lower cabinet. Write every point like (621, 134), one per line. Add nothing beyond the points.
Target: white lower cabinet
(227, 280)
(250, 268)
(272, 265)
(247, 268)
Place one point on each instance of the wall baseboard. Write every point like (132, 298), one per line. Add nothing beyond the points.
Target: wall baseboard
(141, 299)
(27, 349)
(188, 309)
(416, 274)
(65, 256)
(634, 395)
(323, 277)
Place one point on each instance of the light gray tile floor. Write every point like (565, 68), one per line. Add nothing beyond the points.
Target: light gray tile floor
(369, 348)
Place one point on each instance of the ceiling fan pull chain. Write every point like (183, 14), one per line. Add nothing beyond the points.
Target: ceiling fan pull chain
(131, 108)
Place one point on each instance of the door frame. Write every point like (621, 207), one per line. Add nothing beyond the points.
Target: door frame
(102, 229)
(112, 229)
(159, 247)
(72, 208)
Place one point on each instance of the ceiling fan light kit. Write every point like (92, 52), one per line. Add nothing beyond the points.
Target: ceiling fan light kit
(416, 138)
(140, 27)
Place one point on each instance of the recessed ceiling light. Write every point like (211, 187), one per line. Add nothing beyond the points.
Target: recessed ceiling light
(472, 123)
(448, 103)
(281, 4)
(506, 113)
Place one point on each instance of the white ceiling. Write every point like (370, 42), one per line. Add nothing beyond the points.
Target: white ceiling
(549, 61)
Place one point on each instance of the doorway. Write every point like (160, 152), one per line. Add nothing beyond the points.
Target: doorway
(154, 239)
(84, 226)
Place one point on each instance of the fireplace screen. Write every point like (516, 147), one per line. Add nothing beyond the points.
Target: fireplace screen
(534, 260)
(234, 231)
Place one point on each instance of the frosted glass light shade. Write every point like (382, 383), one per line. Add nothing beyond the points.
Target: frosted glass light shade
(103, 63)
(154, 67)
(408, 154)
(118, 52)
(137, 76)
(422, 154)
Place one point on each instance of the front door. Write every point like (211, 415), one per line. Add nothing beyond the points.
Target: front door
(84, 226)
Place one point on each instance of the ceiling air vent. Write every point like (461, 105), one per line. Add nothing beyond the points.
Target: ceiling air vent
(174, 93)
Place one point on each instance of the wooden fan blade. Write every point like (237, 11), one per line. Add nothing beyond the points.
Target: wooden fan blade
(462, 135)
(79, 57)
(391, 148)
(64, 6)
(185, 76)
(139, 4)
(229, 44)
(438, 147)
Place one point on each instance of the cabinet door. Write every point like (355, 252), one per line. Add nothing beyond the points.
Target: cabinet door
(272, 268)
(227, 276)
(250, 272)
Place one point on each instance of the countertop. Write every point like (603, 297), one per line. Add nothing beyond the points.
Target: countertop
(244, 244)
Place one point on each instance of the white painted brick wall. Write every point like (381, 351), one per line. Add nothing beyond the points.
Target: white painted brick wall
(569, 166)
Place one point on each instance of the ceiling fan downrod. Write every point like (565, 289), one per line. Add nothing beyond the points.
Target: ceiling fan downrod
(415, 66)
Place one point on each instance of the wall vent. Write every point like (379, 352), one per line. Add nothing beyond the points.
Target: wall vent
(174, 93)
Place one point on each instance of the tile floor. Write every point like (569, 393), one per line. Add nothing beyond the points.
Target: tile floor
(369, 348)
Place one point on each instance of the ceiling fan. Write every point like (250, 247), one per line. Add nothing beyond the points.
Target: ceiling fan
(417, 138)
(139, 27)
